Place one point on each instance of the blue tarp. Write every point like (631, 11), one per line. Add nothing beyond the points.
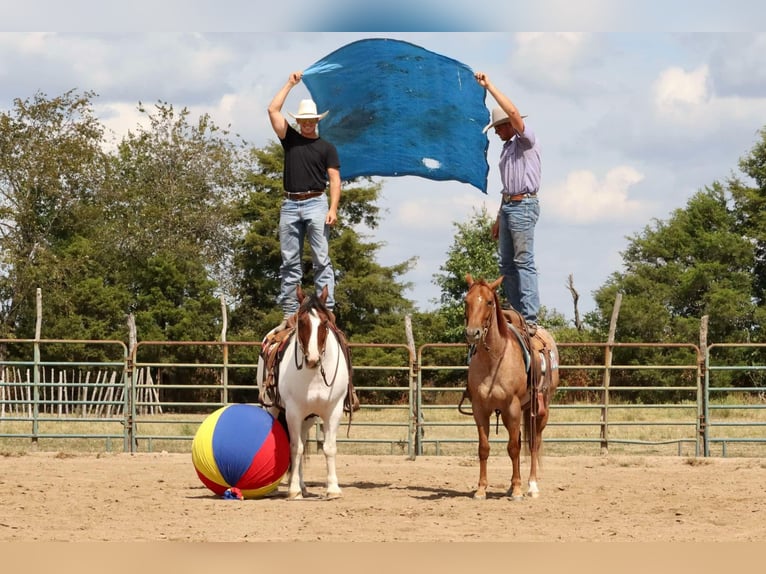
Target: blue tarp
(398, 109)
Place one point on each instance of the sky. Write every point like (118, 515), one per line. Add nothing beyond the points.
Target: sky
(634, 113)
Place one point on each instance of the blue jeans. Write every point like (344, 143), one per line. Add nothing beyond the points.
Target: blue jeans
(516, 243)
(298, 220)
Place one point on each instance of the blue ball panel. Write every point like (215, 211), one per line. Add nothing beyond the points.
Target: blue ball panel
(238, 436)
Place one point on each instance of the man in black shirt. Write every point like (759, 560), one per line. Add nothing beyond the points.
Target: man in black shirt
(311, 163)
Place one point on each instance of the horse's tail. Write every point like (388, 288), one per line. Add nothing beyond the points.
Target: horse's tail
(529, 436)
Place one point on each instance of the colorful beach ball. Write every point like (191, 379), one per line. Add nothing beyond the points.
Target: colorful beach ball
(241, 446)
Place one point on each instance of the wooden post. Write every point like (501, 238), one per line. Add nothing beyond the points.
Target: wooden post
(575, 298)
(607, 375)
(225, 371)
(415, 413)
(130, 390)
(702, 404)
(36, 376)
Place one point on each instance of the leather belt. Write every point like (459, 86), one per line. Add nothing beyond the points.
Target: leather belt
(300, 196)
(508, 198)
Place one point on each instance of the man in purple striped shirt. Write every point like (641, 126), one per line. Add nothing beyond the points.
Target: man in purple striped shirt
(519, 211)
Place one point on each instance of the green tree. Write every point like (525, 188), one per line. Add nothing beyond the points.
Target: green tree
(169, 222)
(146, 229)
(52, 166)
(749, 205)
(676, 271)
(472, 251)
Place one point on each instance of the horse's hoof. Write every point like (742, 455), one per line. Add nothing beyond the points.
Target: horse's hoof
(516, 497)
(334, 495)
(480, 496)
(295, 495)
(533, 494)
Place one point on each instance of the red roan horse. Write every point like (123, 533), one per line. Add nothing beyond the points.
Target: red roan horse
(510, 374)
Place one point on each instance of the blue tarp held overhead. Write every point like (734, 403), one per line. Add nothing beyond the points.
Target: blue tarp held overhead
(397, 109)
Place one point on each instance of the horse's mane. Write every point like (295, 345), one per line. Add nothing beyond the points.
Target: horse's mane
(502, 324)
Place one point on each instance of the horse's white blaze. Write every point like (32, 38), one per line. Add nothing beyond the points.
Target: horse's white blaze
(313, 352)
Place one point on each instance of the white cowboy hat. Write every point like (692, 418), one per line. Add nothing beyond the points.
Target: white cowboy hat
(498, 117)
(307, 110)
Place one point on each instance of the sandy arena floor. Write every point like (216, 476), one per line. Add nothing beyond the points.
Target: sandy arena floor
(48, 497)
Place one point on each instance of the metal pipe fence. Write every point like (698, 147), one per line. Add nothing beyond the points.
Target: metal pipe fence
(615, 402)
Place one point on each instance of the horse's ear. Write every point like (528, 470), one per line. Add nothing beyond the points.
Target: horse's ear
(299, 293)
(494, 285)
(324, 294)
(469, 279)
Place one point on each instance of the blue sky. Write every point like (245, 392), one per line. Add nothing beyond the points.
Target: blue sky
(632, 122)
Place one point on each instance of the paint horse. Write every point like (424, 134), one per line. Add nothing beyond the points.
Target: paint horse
(305, 371)
(512, 375)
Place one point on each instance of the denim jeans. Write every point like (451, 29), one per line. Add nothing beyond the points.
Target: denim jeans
(298, 220)
(516, 243)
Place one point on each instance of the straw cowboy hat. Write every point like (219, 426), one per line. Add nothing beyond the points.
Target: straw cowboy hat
(307, 110)
(498, 117)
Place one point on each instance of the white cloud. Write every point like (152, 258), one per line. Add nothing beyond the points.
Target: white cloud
(678, 91)
(582, 198)
(687, 107)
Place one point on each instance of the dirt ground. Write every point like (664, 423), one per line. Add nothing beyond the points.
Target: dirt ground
(49, 497)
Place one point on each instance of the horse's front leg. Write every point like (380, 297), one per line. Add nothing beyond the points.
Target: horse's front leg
(482, 425)
(512, 422)
(306, 425)
(296, 489)
(330, 448)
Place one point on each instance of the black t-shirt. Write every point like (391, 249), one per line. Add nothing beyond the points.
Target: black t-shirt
(306, 162)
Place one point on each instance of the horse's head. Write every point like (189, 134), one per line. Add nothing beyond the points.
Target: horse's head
(481, 307)
(312, 324)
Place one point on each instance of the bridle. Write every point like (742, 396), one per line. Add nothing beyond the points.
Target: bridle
(487, 323)
(324, 324)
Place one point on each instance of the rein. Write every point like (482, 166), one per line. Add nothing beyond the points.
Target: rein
(337, 364)
(485, 329)
(298, 350)
(322, 371)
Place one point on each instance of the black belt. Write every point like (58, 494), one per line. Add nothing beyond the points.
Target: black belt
(301, 195)
(507, 198)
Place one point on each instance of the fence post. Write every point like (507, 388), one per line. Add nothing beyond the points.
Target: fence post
(130, 444)
(225, 369)
(36, 370)
(607, 375)
(702, 394)
(414, 427)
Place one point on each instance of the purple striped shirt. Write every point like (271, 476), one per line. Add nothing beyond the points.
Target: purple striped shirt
(520, 167)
